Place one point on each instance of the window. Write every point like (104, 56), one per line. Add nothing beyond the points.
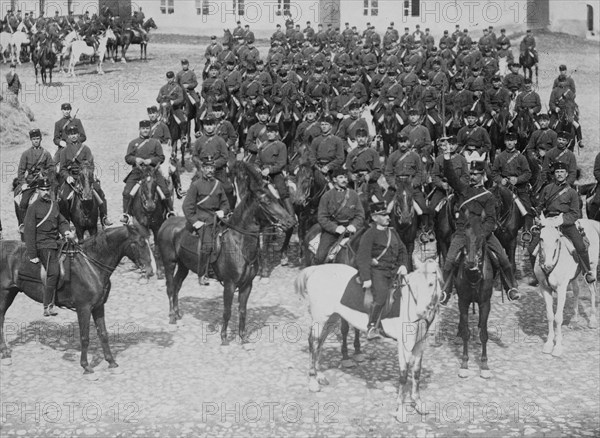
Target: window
(167, 6)
(371, 7)
(240, 6)
(202, 7)
(283, 6)
(412, 8)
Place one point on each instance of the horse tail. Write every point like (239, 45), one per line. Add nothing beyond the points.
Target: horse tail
(300, 284)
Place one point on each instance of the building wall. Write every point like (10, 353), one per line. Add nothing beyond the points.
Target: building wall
(50, 6)
(572, 17)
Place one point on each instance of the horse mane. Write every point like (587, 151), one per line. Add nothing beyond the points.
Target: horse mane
(249, 174)
(98, 243)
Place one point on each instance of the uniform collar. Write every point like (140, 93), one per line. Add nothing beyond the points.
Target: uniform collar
(339, 189)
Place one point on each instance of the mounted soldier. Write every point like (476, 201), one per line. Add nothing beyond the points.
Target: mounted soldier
(309, 129)
(528, 44)
(42, 225)
(380, 258)
(70, 160)
(187, 80)
(418, 135)
(348, 127)
(442, 189)
(473, 138)
(362, 164)
(171, 94)
(214, 89)
(496, 100)
(560, 153)
(326, 152)
(543, 139)
(257, 133)
(61, 126)
(145, 151)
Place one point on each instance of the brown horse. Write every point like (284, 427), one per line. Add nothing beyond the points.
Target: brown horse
(235, 261)
(86, 283)
(129, 36)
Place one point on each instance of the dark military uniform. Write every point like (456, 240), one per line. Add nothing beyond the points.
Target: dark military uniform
(542, 139)
(564, 156)
(474, 138)
(60, 130)
(528, 100)
(188, 82)
(160, 131)
(171, 93)
(306, 132)
(513, 164)
(256, 134)
(213, 146)
(272, 155)
(363, 161)
(514, 82)
(420, 139)
(403, 166)
(35, 163)
(337, 207)
(348, 127)
(327, 150)
(461, 170)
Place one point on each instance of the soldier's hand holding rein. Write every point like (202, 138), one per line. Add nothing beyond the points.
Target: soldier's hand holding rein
(367, 284)
(198, 224)
(220, 214)
(62, 143)
(351, 229)
(69, 234)
(35, 260)
(340, 229)
(402, 270)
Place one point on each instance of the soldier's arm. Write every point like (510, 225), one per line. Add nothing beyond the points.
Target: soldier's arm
(487, 143)
(159, 156)
(63, 224)
(497, 170)
(57, 133)
(281, 160)
(251, 141)
(223, 201)
(376, 172)
(323, 214)
(129, 157)
(232, 137)
(545, 169)
(524, 170)
(30, 231)
(538, 104)
(359, 217)
(572, 215)
(339, 153)
(22, 168)
(189, 205)
(402, 258)
(364, 255)
(224, 152)
(388, 173)
(455, 182)
(490, 216)
(572, 170)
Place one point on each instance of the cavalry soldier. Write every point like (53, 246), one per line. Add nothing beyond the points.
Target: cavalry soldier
(61, 126)
(327, 150)
(317, 87)
(564, 155)
(502, 39)
(238, 32)
(71, 158)
(595, 202)
(437, 77)
(560, 201)
(225, 129)
(187, 80)
(430, 97)
(232, 79)
(511, 169)
(475, 82)
(251, 87)
(514, 81)
(363, 165)
(405, 164)
(35, 164)
(446, 41)
(264, 78)
(378, 81)
(528, 44)
(204, 203)
(309, 32)
(172, 94)
(212, 52)
(285, 91)
(417, 134)
(562, 69)
(357, 89)
(43, 223)
(340, 212)
(380, 258)
(528, 100)
(543, 139)
(489, 65)
(348, 127)
(145, 151)
(257, 133)
(458, 162)
(480, 202)
(465, 42)
(473, 138)
(340, 103)
(496, 100)
(137, 23)
(271, 161)
(278, 35)
(214, 88)
(460, 98)
(562, 100)
(250, 56)
(504, 52)
(457, 34)
(308, 129)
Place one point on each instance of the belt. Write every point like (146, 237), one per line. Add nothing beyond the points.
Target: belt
(553, 214)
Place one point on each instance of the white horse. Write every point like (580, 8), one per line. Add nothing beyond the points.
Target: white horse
(79, 48)
(18, 40)
(67, 42)
(6, 44)
(554, 268)
(420, 293)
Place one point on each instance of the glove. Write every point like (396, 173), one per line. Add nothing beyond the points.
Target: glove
(35, 260)
(265, 172)
(513, 180)
(24, 186)
(69, 234)
(198, 224)
(367, 284)
(62, 143)
(70, 179)
(504, 181)
(340, 116)
(351, 228)
(402, 270)
(340, 229)
(220, 214)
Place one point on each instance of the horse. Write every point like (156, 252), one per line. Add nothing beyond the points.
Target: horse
(389, 124)
(444, 223)
(236, 256)
(510, 220)
(83, 206)
(474, 284)
(86, 286)
(228, 41)
(178, 130)
(403, 216)
(79, 48)
(44, 58)
(590, 191)
(148, 209)
(286, 120)
(128, 37)
(419, 294)
(497, 128)
(555, 266)
(527, 61)
(18, 41)
(6, 44)
(455, 122)
(566, 120)
(523, 126)
(67, 43)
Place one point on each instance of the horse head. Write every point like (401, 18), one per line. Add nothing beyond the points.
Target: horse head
(550, 245)
(137, 245)
(304, 184)
(474, 238)
(524, 123)
(425, 289)
(84, 184)
(404, 211)
(148, 189)
(457, 118)
(164, 112)
(150, 24)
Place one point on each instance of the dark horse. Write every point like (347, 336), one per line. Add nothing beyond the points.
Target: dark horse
(523, 126)
(590, 191)
(444, 223)
(474, 284)
(510, 220)
(83, 206)
(87, 283)
(148, 209)
(388, 126)
(178, 129)
(236, 259)
(566, 120)
(44, 59)
(287, 123)
(498, 129)
(131, 36)
(527, 61)
(403, 216)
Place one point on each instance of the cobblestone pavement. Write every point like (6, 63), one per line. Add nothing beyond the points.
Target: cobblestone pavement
(182, 382)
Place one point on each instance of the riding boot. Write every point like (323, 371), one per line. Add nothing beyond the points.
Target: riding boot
(372, 328)
(126, 204)
(177, 184)
(534, 280)
(449, 283)
(512, 292)
(287, 202)
(47, 300)
(526, 237)
(168, 203)
(103, 209)
(584, 261)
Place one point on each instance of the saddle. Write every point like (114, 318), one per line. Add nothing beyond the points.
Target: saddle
(190, 243)
(359, 299)
(313, 237)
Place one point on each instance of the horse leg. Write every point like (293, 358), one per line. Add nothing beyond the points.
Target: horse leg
(174, 279)
(346, 361)
(558, 317)
(404, 358)
(98, 315)
(243, 295)
(228, 292)
(464, 333)
(416, 366)
(574, 323)
(5, 354)
(358, 356)
(484, 312)
(547, 349)
(83, 318)
(316, 338)
(285, 245)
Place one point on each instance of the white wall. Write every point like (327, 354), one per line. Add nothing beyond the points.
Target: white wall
(571, 17)
(78, 6)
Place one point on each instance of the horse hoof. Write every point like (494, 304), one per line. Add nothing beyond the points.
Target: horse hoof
(547, 348)
(323, 380)
(179, 315)
(458, 340)
(593, 323)
(90, 376)
(225, 343)
(6, 361)
(313, 386)
(486, 374)
(359, 357)
(348, 363)
(115, 370)
(284, 261)
(463, 373)
(557, 351)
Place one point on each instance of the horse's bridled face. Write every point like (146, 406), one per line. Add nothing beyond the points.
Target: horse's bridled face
(138, 250)
(274, 211)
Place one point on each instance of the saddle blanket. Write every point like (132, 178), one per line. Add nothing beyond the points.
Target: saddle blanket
(32, 277)
(354, 296)
(189, 243)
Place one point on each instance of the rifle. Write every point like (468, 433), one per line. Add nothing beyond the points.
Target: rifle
(443, 105)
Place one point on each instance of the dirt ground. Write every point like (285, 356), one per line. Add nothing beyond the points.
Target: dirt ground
(184, 383)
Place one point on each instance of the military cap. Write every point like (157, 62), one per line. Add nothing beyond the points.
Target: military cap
(261, 109)
(528, 81)
(470, 113)
(170, 75)
(505, 43)
(515, 64)
(406, 28)
(327, 119)
(34, 133)
(459, 79)
(413, 112)
(423, 77)
(217, 107)
(381, 65)
(496, 79)
(564, 134)
(401, 138)
(354, 105)
(446, 32)
(559, 165)
(362, 132)
(279, 25)
(215, 66)
(209, 120)
(152, 109)
(352, 72)
(510, 136)
(475, 68)
(528, 30)
(208, 161)
(310, 109)
(562, 67)
(543, 116)
(72, 130)
(465, 30)
(451, 140)
(378, 208)
(145, 124)
(251, 68)
(338, 171)
(184, 61)
(272, 127)
(214, 37)
(65, 106)
(260, 62)
(347, 24)
(44, 184)
(231, 62)
(13, 65)
(477, 167)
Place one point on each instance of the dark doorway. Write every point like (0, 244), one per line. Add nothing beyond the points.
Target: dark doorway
(122, 8)
(538, 14)
(590, 18)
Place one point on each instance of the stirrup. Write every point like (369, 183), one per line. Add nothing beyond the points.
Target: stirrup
(526, 237)
(590, 277)
(373, 333)
(513, 294)
(445, 298)
(170, 213)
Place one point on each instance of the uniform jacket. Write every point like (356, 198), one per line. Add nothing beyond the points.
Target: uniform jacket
(46, 235)
(327, 150)
(60, 130)
(560, 198)
(34, 161)
(403, 164)
(507, 164)
(330, 215)
(272, 154)
(372, 244)
(212, 194)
